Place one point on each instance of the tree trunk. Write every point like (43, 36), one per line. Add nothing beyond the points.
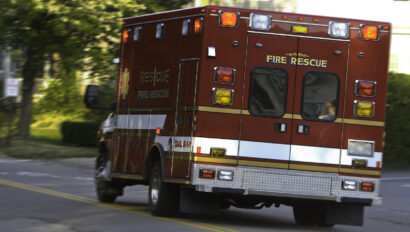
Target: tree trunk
(32, 68)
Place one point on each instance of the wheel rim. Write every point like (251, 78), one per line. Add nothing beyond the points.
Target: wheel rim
(155, 188)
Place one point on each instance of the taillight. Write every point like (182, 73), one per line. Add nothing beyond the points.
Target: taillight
(369, 32)
(198, 25)
(367, 186)
(224, 75)
(222, 96)
(363, 108)
(228, 19)
(365, 88)
(207, 173)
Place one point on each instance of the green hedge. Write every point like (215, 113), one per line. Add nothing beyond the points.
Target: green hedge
(80, 133)
(397, 140)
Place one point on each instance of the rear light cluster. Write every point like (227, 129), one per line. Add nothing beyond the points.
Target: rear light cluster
(353, 185)
(220, 175)
(224, 76)
(364, 88)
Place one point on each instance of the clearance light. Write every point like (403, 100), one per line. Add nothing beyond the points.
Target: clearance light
(137, 34)
(260, 22)
(365, 88)
(224, 75)
(300, 29)
(185, 27)
(207, 173)
(349, 185)
(360, 148)
(218, 152)
(222, 96)
(339, 29)
(369, 32)
(225, 175)
(367, 186)
(125, 35)
(363, 108)
(198, 25)
(228, 19)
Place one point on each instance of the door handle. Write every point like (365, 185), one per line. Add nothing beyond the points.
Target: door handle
(281, 127)
(303, 129)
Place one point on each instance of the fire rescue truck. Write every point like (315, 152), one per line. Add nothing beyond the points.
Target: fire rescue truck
(220, 107)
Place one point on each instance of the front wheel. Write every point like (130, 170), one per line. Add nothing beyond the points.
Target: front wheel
(163, 197)
(106, 190)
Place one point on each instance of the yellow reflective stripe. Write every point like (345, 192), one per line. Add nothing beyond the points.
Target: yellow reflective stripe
(263, 164)
(314, 168)
(214, 160)
(359, 171)
(363, 122)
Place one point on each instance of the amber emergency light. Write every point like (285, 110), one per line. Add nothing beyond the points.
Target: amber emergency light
(222, 96)
(224, 75)
(228, 19)
(369, 32)
(363, 108)
(125, 35)
(198, 26)
(365, 88)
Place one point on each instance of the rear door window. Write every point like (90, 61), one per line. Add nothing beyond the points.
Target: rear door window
(320, 96)
(268, 88)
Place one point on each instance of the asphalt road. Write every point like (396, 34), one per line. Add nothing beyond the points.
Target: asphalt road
(59, 196)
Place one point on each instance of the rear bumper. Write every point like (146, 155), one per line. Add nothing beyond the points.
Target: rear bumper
(285, 183)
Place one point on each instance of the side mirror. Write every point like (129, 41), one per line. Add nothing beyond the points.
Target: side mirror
(91, 95)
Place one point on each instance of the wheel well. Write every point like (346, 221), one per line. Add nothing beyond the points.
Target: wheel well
(156, 153)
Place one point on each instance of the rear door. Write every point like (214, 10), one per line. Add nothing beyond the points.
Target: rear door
(321, 67)
(293, 102)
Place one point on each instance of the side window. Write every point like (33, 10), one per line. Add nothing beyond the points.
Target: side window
(267, 94)
(320, 96)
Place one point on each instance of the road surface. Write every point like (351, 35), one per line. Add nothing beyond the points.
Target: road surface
(59, 196)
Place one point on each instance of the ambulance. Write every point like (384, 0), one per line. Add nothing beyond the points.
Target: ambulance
(220, 107)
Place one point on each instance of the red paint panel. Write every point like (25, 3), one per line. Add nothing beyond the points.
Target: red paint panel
(217, 125)
(369, 133)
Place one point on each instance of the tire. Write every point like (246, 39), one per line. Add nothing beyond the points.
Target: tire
(311, 215)
(106, 191)
(163, 197)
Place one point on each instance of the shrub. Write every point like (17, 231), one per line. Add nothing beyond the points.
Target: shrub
(80, 133)
(397, 142)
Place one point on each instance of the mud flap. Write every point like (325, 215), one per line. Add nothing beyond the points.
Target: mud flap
(345, 215)
(192, 202)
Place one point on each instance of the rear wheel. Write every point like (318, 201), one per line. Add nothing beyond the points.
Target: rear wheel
(163, 197)
(106, 190)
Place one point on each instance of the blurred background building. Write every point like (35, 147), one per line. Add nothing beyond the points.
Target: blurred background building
(394, 11)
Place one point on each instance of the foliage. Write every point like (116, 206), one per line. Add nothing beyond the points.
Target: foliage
(80, 133)
(397, 142)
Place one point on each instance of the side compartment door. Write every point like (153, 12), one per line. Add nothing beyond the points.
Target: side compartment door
(319, 104)
(184, 118)
(267, 102)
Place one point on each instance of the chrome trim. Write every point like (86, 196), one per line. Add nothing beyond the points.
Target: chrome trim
(214, 76)
(292, 195)
(362, 141)
(213, 95)
(238, 15)
(384, 31)
(163, 20)
(378, 32)
(298, 36)
(269, 19)
(355, 88)
(354, 109)
(330, 26)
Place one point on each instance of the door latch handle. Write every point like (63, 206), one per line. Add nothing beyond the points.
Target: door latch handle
(303, 129)
(281, 127)
(338, 52)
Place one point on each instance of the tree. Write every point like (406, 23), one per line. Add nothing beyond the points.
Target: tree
(85, 34)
